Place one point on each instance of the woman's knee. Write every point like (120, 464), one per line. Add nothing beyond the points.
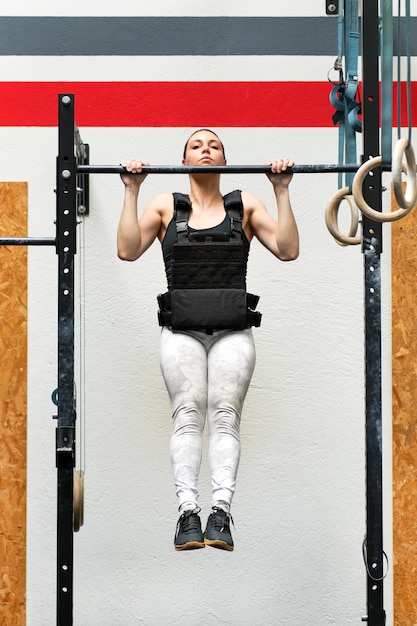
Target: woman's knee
(225, 420)
(188, 419)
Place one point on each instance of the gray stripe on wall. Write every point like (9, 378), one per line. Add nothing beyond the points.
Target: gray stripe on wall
(165, 36)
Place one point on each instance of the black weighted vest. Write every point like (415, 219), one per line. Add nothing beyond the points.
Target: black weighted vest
(207, 275)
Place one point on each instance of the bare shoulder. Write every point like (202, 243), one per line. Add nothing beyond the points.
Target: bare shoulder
(162, 202)
(158, 213)
(253, 207)
(161, 207)
(251, 202)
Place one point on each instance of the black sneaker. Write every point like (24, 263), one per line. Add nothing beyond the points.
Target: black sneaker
(188, 535)
(217, 532)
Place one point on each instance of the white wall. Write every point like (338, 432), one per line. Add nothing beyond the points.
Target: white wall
(299, 509)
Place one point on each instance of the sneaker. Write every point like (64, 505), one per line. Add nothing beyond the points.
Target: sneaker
(217, 532)
(188, 535)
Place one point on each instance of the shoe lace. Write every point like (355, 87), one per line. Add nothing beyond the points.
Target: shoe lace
(188, 521)
(220, 519)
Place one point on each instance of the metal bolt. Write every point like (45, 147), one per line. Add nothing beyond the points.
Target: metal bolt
(66, 100)
(82, 210)
(331, 8)
(66, 174)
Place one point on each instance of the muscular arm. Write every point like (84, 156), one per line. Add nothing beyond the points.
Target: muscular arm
(280, 235)
(135, 235)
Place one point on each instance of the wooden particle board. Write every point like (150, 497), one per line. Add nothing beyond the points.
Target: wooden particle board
(13, 405)
(404, 407)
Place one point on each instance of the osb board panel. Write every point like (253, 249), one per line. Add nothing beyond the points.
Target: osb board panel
(404, 405)
(13, 404)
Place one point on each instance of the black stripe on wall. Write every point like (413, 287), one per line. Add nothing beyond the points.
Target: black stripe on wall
(165, 36)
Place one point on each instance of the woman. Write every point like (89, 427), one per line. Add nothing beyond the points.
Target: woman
(207, 351)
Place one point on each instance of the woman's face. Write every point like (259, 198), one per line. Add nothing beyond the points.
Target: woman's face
(204, 148)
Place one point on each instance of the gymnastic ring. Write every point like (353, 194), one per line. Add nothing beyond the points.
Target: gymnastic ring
(408, 199)
(78, 500)
(331, 218)
(377, 216)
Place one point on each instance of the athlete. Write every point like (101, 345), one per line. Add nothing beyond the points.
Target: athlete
(207, 351)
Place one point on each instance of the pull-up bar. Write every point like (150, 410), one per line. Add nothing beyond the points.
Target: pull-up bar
(222, 169)
(27, 241)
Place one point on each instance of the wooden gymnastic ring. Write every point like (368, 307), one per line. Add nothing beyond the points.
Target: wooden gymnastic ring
(78, 500)
(377, 216)
(408, 199)
(330, 216)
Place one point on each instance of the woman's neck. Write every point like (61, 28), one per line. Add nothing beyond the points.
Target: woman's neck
(205, 190)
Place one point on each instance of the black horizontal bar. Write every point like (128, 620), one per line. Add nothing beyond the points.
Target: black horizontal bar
(27, 241)
(221, 169)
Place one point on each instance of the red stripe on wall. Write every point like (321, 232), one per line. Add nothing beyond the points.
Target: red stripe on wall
(170, 104)
(176, 104)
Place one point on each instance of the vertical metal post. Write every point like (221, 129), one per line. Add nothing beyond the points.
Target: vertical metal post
(372, 248)
(66, 222)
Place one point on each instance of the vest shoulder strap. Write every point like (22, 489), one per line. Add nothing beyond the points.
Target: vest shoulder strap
(182, 208)
(232, 204)
(234, 207)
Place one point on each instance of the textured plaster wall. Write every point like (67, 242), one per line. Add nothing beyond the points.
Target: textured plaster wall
(299, 509)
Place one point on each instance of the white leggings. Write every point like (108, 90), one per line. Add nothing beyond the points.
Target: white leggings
(206, 376)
